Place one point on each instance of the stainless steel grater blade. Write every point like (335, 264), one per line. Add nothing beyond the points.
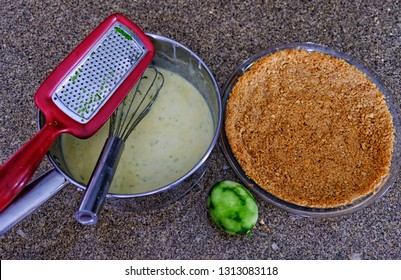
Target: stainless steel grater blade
(90, 84)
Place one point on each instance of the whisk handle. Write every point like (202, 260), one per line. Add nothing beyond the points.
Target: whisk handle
(99, 184)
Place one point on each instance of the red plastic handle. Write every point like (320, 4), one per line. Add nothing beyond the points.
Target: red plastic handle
(17, 171)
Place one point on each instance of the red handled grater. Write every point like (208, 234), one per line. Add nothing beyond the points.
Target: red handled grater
(80, 95)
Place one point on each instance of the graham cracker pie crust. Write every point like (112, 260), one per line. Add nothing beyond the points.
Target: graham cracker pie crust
(310, 128)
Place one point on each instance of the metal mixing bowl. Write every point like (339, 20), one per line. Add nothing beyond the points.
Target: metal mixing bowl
(308, 211)
(174, 57)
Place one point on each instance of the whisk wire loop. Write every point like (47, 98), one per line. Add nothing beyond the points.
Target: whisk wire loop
(123, 121)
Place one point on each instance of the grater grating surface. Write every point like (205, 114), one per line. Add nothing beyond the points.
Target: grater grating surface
(90, 84)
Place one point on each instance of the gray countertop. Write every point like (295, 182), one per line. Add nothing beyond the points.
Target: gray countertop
(36, 35)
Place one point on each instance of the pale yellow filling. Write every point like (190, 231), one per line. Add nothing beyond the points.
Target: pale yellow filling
(165, 145)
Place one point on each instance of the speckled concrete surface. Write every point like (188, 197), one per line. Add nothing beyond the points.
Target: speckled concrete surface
(36, 35)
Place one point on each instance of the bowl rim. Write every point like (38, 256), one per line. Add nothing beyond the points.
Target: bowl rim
(303, 211)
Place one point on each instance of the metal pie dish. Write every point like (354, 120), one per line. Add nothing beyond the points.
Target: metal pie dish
(295, 209)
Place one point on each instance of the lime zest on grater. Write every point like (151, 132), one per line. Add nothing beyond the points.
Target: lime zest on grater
(90, 84)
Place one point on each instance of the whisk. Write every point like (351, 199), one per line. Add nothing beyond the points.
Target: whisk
(122, 122)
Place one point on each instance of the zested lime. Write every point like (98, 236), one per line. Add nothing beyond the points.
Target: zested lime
(232, 207)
